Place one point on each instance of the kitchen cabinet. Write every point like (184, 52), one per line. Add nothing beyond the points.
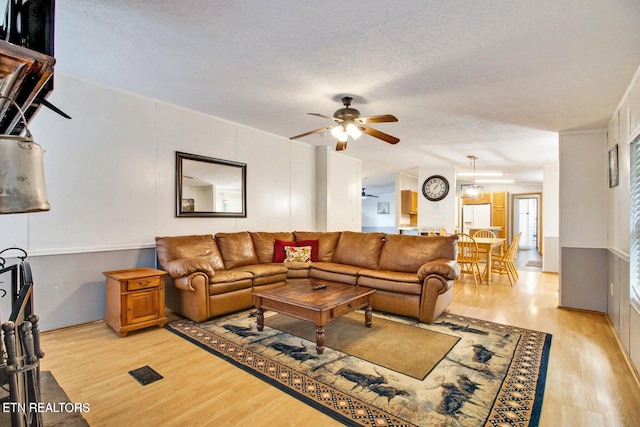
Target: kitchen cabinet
(409, 205)
(409, 202)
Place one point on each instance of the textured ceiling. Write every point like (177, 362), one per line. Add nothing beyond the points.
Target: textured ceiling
(496, 79)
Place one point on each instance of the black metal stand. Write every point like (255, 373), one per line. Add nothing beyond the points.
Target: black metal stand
(20, 364)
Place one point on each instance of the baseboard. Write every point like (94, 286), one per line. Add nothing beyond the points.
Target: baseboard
(632, 368)
(583, 310)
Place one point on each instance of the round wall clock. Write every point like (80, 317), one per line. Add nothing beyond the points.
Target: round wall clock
(435, 188)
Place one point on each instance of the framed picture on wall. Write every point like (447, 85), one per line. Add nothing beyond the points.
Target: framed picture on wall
(613, 167)
(188, 205)
(383, 208)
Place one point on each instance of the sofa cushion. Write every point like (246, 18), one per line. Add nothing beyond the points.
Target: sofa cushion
(278, 249)
(264, 244)
(236, 249)
(230, 276)
(226, 287)
(263, 270)
(336, 268)
(401, 287)
(203, 247)
(279, 254)
(407, 253)
(297, 265)
(332, 272)
(359, 249)
(298, 253)
(314, 244)
(393, 276)
(327, 241)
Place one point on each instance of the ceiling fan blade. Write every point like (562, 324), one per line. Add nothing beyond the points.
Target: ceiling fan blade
(384, 118)
(380, 135)
(321, 115)
(341, 146)
(313, 131)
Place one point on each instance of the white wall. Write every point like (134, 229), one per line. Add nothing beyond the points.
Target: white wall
(110, 174)
(551, 220)
(583, 196)
(339, 190)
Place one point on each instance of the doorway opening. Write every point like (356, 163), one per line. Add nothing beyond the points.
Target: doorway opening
(526, 219)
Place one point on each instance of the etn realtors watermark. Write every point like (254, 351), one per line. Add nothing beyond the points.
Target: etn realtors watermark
(41, 407)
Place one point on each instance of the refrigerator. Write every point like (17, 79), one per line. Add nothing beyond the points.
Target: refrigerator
(476, 216)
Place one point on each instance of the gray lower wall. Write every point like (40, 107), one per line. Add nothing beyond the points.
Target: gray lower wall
(583, 278)
(69, 289)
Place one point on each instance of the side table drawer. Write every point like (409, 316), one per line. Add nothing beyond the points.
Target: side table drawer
(143, 283)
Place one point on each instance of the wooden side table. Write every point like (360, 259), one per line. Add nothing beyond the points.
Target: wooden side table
(135, 299)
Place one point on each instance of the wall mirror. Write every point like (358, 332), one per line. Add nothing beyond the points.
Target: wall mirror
(209, 187)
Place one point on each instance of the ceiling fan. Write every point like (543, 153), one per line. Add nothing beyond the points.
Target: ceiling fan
(365, 195)
(350, 124)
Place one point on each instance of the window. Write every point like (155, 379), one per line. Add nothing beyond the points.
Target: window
(634, 205)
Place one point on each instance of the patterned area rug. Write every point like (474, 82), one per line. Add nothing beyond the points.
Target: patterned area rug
(494, 374)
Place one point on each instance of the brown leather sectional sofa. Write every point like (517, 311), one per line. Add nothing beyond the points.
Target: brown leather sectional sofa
(214, 275)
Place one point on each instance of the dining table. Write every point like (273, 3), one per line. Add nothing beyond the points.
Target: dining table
(488, 244)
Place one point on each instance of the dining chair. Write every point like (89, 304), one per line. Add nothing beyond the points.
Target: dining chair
(468, 257)
(505, 264)
(484, 233)
(488, 233)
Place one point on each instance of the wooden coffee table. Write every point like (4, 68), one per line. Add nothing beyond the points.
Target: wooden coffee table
(320, 306)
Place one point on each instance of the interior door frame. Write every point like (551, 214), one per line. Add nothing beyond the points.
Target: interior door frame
(539, 224)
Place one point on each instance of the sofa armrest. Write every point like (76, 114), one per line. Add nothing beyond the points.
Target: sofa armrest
(437, 294)
(447, 268)
(183, 267)
(186, 283)
(190, 297)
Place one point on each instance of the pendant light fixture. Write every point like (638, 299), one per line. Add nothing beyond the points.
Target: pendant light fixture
(472, 191)
(22, 187)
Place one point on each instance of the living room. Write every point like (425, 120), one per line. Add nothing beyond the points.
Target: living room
(110, 174)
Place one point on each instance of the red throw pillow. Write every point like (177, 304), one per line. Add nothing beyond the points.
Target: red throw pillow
(278, 250)
(314, 248)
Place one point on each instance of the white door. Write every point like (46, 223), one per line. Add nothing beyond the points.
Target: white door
(527, 221)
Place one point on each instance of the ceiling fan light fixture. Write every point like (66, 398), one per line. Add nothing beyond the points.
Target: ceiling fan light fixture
(351, 124)
(340, 133)
(353, 131)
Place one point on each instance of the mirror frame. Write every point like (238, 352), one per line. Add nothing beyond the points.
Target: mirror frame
(220, 162)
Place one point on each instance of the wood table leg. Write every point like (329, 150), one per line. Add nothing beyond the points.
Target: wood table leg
(320, 339)
(488, 266)
(367, 316)
(260, 318)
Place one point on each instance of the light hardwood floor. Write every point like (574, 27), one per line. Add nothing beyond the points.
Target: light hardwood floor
(589, 382)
